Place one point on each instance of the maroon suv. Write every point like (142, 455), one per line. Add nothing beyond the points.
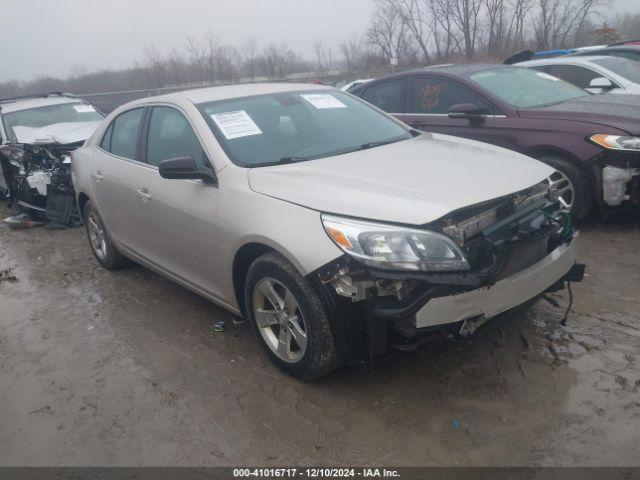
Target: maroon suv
(592, 140)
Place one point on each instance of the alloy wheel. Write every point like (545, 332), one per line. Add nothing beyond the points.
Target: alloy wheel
(97, 236)
(280, 320)
(565, 188)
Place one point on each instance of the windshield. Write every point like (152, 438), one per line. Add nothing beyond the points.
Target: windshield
(51, 114)
(621, 66)
(297, 126)
(523, 88)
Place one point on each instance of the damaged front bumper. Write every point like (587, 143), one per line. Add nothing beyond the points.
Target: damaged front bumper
(38, 179)
(518, 249)
(487, 302)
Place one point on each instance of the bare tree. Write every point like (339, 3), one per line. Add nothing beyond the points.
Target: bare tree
(389, 32)
(198, 57)
(352, 50)
(324, 57)
(495, 12)
(443, 28)
(466, 16)
(250, 56)
(559, 21)
(415, 15)
(275, 61)
(155, 66)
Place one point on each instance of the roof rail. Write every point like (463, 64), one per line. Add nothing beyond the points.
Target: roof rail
(626, 42)
(36, 95)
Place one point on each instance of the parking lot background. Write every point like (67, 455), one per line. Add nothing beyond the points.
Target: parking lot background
(124, 368)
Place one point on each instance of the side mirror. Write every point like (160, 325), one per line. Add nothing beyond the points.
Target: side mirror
(465, 110)
(601, 84)
(185, 168)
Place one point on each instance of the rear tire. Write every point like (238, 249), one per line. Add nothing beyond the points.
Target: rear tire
(289, 319)
(101, 244)
(579, 183)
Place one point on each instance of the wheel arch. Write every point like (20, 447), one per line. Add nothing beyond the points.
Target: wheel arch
(83, 198)
(242, 260)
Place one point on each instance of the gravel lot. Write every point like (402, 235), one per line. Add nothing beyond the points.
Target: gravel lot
(98, 368)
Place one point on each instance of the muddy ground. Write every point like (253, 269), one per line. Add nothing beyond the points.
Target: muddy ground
(100, 368)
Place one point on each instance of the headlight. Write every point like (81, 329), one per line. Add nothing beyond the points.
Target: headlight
(616, 142)
(395, 248)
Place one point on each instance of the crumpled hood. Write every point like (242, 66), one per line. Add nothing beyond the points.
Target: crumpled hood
(62, 133)
(412, 182)
(614, 110)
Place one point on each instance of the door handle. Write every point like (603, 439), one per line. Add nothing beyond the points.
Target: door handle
(98, 176)
(144, 195)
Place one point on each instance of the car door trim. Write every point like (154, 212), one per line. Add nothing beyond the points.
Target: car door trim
(178, 279)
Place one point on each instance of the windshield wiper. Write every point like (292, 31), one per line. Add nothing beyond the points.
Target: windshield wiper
(284, 161)
(366, 146)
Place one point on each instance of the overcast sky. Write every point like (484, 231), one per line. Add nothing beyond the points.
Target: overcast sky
(49, 37)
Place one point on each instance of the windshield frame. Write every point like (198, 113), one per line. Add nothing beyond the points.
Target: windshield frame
(9, 133)
(511, 106)
(239, 163)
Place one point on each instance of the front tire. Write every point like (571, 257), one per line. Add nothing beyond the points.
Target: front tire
(575, 192)
(101, 244)
(289, 319)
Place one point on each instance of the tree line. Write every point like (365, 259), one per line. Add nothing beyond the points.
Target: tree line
(412, 32)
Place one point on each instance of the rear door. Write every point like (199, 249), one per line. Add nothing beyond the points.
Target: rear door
(429, 99)
(112, 171)
(177, 220)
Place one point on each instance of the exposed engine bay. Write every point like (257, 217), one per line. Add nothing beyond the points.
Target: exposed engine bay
(37, 178)
(500, 239)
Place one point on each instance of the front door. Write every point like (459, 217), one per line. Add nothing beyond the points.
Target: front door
(429, 100)
(177, 219)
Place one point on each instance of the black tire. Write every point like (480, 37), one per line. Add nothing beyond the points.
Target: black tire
(320, 356)
(582, 201)
(111, 258)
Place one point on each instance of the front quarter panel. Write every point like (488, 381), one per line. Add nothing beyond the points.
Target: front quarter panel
(247, 217)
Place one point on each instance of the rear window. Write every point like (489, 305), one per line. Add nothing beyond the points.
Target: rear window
(121, 138)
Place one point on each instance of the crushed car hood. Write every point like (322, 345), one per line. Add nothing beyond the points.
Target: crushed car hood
(412, 182)
(614, 110)
(62, 133)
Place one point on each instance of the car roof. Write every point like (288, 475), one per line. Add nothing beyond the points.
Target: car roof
(226, 92)
(451, 70)
(27, 102)
(460, 69)
(567, 59)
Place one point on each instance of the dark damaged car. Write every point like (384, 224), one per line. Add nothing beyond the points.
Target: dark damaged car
(592, 140)
(37, 135)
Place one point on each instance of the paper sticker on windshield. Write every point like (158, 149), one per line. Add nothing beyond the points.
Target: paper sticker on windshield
(547, 76)
(84, 108)
(235, 124)
(323, 101)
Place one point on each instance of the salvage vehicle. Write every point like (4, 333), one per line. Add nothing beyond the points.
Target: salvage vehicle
(37, 134)
(333, 228)
(593, 141)
(596, 74)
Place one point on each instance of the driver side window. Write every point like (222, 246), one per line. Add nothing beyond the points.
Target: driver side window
(436, 96)
(171, 136)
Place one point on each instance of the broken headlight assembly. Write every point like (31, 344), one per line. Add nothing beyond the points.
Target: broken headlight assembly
(617, 142)
(392, 247)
